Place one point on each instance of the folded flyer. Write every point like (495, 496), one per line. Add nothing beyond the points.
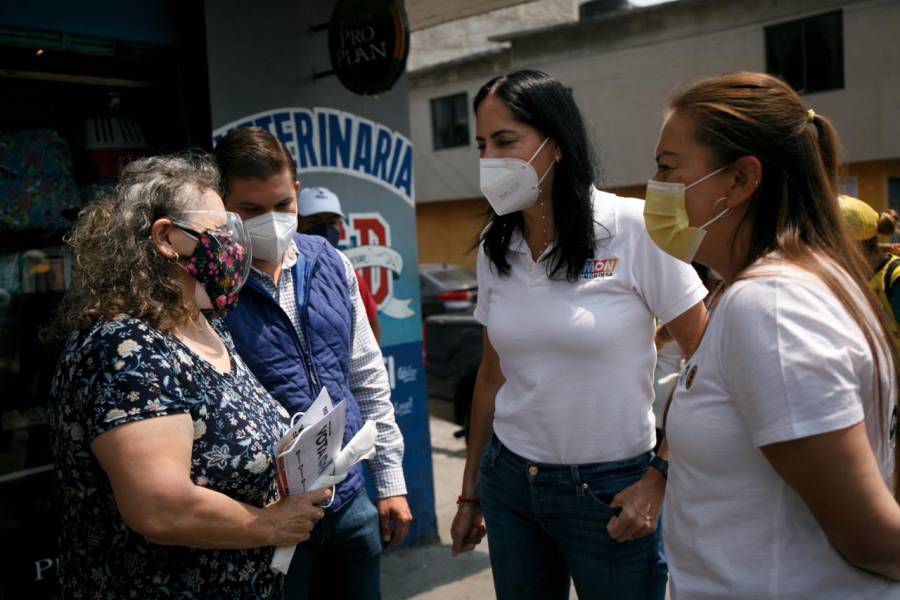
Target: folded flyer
(310, 457)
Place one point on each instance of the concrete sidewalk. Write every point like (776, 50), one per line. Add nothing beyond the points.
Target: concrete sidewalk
(429, 572)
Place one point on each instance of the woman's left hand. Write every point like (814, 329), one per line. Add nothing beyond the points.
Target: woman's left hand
(640, 503)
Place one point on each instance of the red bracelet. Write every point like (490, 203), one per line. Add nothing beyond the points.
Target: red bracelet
(463, 500)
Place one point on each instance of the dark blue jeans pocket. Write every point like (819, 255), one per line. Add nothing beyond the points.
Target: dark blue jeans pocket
(603, 500)
(602, 488)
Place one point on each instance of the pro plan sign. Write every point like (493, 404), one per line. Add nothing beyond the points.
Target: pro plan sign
(368, 41)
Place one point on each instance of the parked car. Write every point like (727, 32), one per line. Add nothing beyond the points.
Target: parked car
(453, 349)
(447, 288)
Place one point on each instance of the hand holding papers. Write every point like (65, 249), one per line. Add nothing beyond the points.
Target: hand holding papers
(310, 446)
(310, 455)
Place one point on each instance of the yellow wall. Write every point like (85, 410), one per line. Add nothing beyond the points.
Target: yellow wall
(447, 230)
(873, 180)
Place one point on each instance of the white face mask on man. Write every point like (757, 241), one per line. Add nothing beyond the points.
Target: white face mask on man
(271, 234)
(511, 184)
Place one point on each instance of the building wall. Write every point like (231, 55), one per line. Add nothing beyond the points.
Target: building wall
(464, 37)
(622, 69)
(448, 230)
(451, 173)
(276, 56)
(872, 180)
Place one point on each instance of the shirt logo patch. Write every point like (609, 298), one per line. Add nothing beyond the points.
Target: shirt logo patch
(688, 376)
(595, 268)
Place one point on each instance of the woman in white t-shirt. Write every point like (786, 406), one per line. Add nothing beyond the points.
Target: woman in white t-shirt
(569, 284)
(781, 430)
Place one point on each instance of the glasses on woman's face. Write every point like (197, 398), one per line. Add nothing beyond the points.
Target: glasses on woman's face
(220, 223)
(199, 221)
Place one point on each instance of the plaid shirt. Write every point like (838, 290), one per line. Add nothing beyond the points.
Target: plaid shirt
(368, 376)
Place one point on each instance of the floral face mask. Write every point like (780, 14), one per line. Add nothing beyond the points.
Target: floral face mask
(221, 260)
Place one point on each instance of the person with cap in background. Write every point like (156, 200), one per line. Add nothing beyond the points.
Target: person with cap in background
(300, 326)
(866, 224)
(321, 214)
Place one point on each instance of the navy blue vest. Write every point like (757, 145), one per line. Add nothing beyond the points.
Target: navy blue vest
(294, 370)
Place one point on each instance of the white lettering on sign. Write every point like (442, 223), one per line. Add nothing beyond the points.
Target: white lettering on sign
(42, 566)
(357, 47)
(348, 58)
(392, 373)
(332, 141)
(407, 374)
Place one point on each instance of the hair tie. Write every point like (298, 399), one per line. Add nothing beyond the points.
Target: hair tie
(810, 116)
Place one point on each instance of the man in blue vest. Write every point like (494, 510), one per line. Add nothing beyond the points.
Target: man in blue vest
(300, 325)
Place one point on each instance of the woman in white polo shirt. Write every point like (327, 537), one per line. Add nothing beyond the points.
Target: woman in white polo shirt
(782, 426)
(569, 284)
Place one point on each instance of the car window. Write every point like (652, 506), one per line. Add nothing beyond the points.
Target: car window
(455, 277)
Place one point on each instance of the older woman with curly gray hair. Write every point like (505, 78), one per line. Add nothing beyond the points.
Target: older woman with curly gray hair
(163, 439)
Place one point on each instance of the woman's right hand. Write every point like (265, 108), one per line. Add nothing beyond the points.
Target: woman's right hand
(467, 529)
(293, 517)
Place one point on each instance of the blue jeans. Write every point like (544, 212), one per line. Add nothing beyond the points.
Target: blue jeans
(547, 524)
(341, 560)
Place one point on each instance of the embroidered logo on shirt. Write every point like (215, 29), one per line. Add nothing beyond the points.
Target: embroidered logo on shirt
(595, 268)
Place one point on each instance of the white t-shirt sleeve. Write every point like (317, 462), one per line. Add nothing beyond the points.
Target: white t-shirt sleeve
(483, 275)
(667, 285)
(790, 354)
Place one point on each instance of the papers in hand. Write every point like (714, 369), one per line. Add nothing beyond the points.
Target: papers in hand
(310, 456)
(310, 446)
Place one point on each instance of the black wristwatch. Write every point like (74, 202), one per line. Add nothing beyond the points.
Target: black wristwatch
(660, 464)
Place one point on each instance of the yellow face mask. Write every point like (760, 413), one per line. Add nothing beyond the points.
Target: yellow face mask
(666, 218)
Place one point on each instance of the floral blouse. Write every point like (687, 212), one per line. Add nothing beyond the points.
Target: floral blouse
(124, 370)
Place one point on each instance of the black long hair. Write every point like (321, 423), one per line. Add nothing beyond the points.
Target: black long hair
(542, 102)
